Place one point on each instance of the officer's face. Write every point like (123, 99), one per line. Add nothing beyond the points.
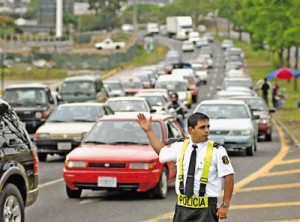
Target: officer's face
(200, 132)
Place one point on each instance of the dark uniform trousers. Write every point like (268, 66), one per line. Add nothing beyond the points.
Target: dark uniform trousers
(183, 214)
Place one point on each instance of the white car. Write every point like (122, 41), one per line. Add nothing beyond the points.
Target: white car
(187, 46)
(231, 124)
(226, 44)
(201, 72)
(127, 28)
(130, 104)
(66, 126)
(194, 37)
(241, 89)
(224, 94)
(109, 44)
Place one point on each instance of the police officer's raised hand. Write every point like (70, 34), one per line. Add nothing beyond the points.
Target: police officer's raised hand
(145, 123)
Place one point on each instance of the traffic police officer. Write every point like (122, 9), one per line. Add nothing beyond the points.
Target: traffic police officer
(203, 169)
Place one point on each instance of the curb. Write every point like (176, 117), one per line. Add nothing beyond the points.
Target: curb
(295, 141)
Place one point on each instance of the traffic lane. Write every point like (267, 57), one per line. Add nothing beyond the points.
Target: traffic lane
(54, 205)
(52, 169)
(273, 193)
(125, 205)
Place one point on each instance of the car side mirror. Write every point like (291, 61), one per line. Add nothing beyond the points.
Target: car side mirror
(255, 117)
(152, 110)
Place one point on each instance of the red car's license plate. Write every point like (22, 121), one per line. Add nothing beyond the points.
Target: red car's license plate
(107, 182)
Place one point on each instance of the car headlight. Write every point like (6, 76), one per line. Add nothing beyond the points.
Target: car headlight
(142, 166)
(79, 138)
(75, 164)
(240, 132)
(42, 136)
(38, 115)
(264, 120)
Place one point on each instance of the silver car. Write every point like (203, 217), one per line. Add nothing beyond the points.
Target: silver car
(231, 124)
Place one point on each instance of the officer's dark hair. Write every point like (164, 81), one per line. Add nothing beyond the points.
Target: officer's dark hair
(195, 117)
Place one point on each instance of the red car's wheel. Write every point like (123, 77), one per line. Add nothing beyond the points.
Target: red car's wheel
(161, 190)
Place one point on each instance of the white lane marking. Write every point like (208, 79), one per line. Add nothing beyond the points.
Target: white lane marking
(50, 183)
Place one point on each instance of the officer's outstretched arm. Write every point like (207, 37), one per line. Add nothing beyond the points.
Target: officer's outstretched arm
(145, 124)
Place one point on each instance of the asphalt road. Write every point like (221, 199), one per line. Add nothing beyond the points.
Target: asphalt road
(266, 185)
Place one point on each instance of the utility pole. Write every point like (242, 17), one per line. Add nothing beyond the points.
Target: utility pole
(59, 19)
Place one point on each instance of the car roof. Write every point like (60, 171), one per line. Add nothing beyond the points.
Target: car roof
(29, 85)
(112, 81)
(222, 101)
(126, 98)
(149, 94)
(225, 92)
(83, 104)
(169, 78)
(126, 116)
(247, 97)
(82, 78)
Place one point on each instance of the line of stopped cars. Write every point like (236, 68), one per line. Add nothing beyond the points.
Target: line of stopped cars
(104, 146)
(238, 116)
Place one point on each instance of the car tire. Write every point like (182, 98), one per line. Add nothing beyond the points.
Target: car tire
(249, 151)
(73, 194)
(11, 203)
(268, 137)
(194, 99)
(42, 157)
(161, 189)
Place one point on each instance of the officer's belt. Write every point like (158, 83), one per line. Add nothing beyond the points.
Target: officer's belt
(195, 201)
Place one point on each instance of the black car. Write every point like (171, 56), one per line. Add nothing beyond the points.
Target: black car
(18, 166)
(32, 102)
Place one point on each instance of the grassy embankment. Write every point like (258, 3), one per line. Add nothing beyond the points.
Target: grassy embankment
(142, 58)
(258, 64)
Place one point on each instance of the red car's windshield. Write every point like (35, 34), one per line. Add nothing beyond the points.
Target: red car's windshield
(120, 132)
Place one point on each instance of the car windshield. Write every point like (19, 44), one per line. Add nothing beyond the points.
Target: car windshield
(78, 87)
(132, 84)
(121, 131)
(176, 86)
(257, 104)
(26, 96)
(156, 100)
(243, 83)
(189, 79)
(75, 114)
(128, 105)
(198, 68)
(113, 85)
(224, 111)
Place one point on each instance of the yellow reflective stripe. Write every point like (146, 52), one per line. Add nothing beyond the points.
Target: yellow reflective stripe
(183, 148)
(192, 202)
(207, 162)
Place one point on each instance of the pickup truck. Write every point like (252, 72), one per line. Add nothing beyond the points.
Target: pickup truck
(109, 44)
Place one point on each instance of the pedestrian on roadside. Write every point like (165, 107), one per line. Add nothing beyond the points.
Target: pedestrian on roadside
(203, 168)
(265, 90)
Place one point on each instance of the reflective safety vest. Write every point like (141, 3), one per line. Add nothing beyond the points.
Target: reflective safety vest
(205, 172)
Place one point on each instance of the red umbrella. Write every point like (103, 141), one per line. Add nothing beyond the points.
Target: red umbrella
(283, 73)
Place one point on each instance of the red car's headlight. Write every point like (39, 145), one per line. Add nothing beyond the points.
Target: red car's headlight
(75, 164)
(142, 166)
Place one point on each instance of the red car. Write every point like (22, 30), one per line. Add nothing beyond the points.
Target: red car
(259, 107)
(116, 155)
